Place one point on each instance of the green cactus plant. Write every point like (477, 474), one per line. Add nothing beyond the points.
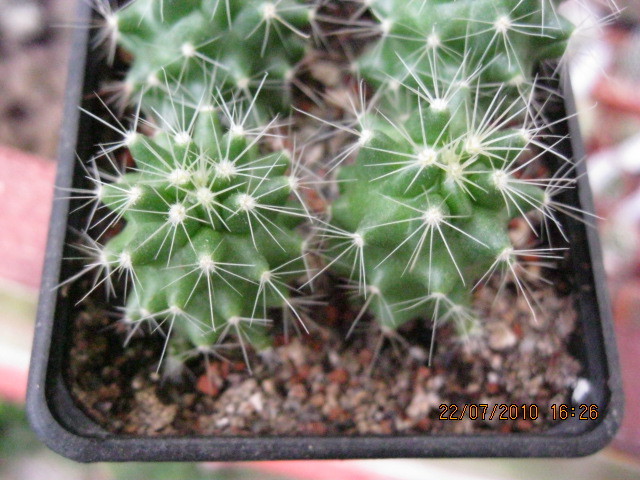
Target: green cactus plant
(422, 217)
(210, 243)
(423, 213)
(210, 211)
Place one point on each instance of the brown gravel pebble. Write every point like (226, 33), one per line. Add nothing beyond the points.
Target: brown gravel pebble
(151, 412)
(339, 376)
(207, 386)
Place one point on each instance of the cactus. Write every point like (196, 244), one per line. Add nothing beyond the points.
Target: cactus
(423, 213)
(422, 217)
(190, 49)
(210, 243)
(210, 211)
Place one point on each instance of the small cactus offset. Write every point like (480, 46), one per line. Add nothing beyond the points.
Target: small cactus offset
(212, 203)
(190, 48)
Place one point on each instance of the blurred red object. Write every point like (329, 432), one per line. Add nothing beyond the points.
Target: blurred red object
(13, 384)
(617, 94)
(26, 190)
(627, 320)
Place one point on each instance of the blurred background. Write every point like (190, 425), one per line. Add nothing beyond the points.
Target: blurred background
(34, 52)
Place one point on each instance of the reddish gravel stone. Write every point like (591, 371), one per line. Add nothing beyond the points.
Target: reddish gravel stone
(207, 386)
(339, 376)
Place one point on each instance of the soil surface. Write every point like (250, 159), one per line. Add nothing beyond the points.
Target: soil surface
(324, 384)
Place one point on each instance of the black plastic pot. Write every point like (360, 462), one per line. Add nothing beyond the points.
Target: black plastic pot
(66, 429)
